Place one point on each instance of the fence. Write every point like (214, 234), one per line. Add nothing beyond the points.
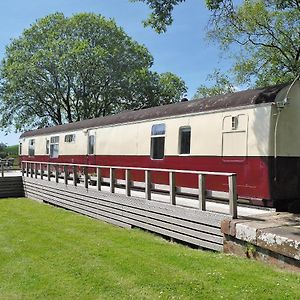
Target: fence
(71, 172)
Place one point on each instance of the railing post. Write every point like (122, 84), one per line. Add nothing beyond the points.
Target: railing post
(48, 172)
(148, 185)
(232, 195)
(127, 182)
(27, 169)
(35, 171)
(112, 180)
(74, 175)
(99, 179)
(56, 174)
(2, 169)
(172, 183)
(31, 170)
(42, 171)
(86, 177)
(23, 170)
(202, 191)
(66, 174)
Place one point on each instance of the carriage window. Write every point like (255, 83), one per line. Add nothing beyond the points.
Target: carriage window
(47, 146)
(91, 148)
(158, 141)
(70, 138)
(185, 140)
(54, 146)
(31, 147)
(20, 149)
(234, 123)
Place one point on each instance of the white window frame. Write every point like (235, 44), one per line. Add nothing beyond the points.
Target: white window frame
(181, 129)
(155, 136)
(54, 141)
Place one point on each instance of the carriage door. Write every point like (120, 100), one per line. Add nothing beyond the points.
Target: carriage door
(235, 138)
(91, 147)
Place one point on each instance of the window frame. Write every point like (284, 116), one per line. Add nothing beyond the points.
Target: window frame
(52, 143)
(73, 138)
(181, 129)
(31, 147)
(156, 136)
(94, 144)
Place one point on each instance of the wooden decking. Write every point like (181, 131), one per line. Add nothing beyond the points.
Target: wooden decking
(200, 228)
(11, 187)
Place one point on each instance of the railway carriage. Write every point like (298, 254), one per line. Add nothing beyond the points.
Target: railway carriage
(253, 133)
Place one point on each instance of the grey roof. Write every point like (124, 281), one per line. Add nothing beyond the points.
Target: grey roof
(243, 98)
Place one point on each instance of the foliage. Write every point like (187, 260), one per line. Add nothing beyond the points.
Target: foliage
(222, 85)
(161, 16)
(68, 69)
(263, 36)
(9, 151)
(75, 257)
(267, 32)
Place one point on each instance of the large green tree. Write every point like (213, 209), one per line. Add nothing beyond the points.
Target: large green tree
(267, 33)
(68, 69)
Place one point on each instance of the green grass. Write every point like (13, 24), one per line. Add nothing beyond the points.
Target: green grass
(50, 253)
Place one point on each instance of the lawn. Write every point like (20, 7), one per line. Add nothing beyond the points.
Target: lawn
(51, 253)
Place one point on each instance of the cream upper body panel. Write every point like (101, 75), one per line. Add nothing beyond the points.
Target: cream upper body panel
(212, 134)
(288, 123)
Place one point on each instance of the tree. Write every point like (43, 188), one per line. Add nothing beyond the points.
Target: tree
(161, 15)
(222, 85)
(267, 32)
(68, 69)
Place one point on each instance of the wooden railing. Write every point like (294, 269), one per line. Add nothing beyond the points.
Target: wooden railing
(35, 169)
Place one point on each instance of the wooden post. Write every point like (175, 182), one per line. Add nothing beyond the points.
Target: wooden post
(86, 177)
(74, 175)
(148, 185)
(31, 170)
(99, 179)
(42, 171)
(56, 174)
(112, 180)
(23, 170)
(232, 196)
(2, 169)
(35, 171)
(127, 183)
(27, 169)
(48, 172)
(66, 174)
(172, 183)
(202, 191)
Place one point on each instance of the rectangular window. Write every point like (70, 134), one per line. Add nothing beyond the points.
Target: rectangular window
(158, 141)
(70, 138)
(47, 146)
(91, 147)
(185, 140)
(31, 147)
(54, 146)
(20, 149)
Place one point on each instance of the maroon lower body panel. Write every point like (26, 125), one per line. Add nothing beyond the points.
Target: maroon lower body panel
(262, 180)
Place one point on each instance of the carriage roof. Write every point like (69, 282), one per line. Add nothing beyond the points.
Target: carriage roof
(242, 98)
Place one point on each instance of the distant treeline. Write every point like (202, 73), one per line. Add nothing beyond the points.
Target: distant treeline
(8, 151)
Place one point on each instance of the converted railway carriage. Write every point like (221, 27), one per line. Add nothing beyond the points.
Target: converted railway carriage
(254, 133)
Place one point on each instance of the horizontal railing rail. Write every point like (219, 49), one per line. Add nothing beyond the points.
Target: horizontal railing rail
(35, 168)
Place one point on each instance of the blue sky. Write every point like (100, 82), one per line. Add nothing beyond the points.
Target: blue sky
(183, 50)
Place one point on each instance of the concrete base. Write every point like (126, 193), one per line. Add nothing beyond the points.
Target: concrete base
(273, 238)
